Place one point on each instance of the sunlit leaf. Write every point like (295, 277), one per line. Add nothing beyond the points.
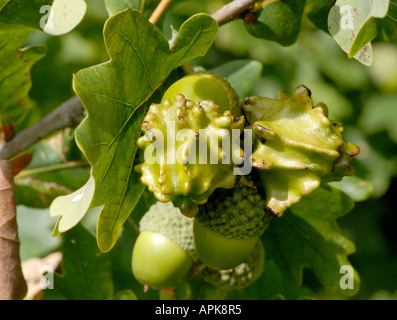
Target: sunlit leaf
(278, 21)
(307, 236)
(54, 17)
(86, 273)
(116, 95)
(352, 25)
(243, 75)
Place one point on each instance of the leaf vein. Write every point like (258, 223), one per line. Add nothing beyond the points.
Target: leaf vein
(139, 56)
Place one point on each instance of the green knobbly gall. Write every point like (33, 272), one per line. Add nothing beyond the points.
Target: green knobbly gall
(240, 276)
(180, 171)
(296, 147)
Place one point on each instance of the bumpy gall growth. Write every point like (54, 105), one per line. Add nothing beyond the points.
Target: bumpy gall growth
(182, 159)
(296, 147)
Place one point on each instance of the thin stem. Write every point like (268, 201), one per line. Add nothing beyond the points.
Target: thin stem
(142, 6)
(67, 115)
(187, 68)
(158, 12)
(133, 224)
(395, 20)
(68, 165)
(232, 11)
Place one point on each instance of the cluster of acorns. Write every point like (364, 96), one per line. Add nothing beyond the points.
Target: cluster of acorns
(207, 214)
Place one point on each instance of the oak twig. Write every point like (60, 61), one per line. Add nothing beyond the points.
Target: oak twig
(232, 11)
(158, 12)
(67, 115)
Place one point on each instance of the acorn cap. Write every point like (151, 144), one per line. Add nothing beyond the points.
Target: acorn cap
(165, 219)
(238, 213)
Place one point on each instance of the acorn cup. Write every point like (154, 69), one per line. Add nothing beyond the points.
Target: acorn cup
(226, 228)
(164, 251)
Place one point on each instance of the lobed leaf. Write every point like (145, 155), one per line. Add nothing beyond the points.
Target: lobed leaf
(352, 25)
(278, 21)
(54, 17)
(307, 236)
(87, 273)
(15, 79)
(146, 7)
(116, 95)
(317, 12)
(243, 75)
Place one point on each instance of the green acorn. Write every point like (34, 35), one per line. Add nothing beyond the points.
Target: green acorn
(202, 86)
(296, 147)
(164, 251)
(241, 276)
(226, 228)
(181, 158)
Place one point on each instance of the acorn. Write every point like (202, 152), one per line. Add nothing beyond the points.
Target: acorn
(164, 251)
(240, 276)
(226, 228)
(201, 86)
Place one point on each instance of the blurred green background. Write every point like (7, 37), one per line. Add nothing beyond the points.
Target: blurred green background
(363, 98)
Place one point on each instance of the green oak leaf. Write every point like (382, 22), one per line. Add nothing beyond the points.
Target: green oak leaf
(22, 14)
(278, 20)
(17, 20)
(243, 75)
(146, 7)
(352, 24)
(372, 165)
(72, 207)
(54, 17)
(270, 284)
(34, 232)
(357, 188)
(317, 12)
(386, 29)
(307, 236)
(15, 79)
(380, 113)
(87, 273)
(116, 95)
